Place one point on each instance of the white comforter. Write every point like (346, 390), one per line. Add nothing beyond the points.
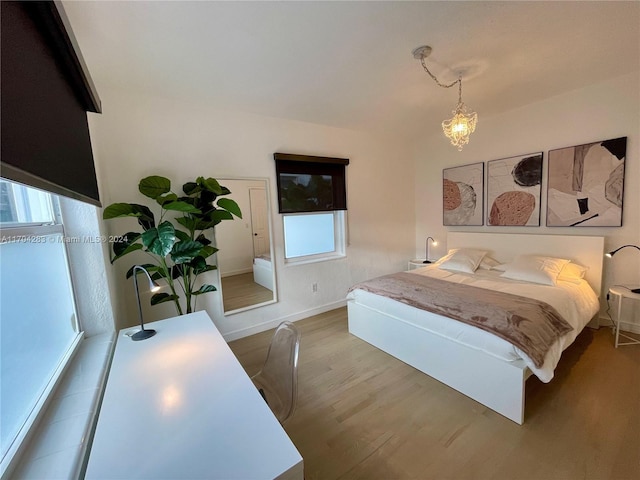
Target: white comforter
(576, 302)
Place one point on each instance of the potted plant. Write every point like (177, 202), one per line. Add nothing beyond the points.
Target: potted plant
(180, 250)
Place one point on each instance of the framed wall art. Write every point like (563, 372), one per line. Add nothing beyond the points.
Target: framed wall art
(513, 190)
(463, 195)
(585, 184)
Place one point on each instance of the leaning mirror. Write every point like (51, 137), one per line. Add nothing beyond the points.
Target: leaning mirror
(245, 266)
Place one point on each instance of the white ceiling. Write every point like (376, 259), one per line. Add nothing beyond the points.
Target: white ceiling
(349, 64)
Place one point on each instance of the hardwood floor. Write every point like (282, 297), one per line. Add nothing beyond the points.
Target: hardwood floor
(362, 414)
(239, 291)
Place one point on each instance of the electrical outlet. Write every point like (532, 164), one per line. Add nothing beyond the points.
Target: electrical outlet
(314, 287)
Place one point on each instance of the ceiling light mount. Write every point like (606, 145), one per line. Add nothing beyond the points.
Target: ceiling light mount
(463, 123)
(422, 52)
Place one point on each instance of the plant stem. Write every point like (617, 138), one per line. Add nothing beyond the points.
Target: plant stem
(171, 285)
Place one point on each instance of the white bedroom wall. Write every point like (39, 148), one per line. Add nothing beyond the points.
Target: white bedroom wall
(605, 110)
(138, 136)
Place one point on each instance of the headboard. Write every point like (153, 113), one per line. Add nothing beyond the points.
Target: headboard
(504, 247)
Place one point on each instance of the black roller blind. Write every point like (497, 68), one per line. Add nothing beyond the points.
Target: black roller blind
(45, 94)
(310, 184)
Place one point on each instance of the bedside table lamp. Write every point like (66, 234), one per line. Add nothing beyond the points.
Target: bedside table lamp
(143, 334)
(426, 258)
(613, 252)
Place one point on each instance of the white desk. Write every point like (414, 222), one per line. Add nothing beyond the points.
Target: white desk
(179, 405)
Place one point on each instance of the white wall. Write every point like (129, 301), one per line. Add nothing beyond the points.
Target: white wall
(606, 110)
(88, 263)
(138, 136)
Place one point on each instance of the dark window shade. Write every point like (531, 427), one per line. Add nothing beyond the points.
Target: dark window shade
(310, 184)
(46, 93)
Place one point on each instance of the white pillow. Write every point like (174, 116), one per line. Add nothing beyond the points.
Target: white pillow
(462, 260)
(572, 272)
(535, 269)
(488, 263)
(501, 267)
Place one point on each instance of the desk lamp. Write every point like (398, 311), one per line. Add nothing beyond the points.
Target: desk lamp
(613, 252)
(426, 258)
(143, 334)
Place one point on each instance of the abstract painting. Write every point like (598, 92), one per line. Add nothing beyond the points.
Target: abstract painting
(513, 190)
(463, 195)
(585, 186)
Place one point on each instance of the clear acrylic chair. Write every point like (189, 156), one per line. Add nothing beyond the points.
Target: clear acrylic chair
(277, 381)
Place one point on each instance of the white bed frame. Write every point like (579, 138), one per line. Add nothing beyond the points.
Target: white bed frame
(494, 383)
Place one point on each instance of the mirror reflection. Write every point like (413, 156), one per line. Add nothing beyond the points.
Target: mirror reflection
(247, 276)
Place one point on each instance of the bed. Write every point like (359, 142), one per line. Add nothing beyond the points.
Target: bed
(263, 271)
(455, 353)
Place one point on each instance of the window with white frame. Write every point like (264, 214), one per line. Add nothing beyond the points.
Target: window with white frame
(312, 197)
(38, 325)
(309, 236)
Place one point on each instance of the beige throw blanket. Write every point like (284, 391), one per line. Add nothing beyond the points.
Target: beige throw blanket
(531, 325)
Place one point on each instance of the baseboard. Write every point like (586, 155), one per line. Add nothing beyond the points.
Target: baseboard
(245, 332)
(624, 326)
(239, 271)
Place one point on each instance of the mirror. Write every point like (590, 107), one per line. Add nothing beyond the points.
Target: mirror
(245, 266)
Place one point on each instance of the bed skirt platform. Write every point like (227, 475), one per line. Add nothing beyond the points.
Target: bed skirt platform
(495, 383)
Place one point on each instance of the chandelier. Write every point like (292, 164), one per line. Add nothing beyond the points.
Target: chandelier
(463, 124)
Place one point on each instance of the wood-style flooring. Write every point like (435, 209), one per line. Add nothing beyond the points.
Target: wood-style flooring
(363, 414)
(240, 291)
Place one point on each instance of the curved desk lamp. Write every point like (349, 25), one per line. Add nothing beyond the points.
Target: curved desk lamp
(143, 334)
(426, 258)
(613, 252)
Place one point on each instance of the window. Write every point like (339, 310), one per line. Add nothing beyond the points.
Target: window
(37, 309)
(312, 195)
(313, 236)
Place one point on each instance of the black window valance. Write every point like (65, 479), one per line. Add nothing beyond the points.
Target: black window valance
(46, 94)
(310, 184)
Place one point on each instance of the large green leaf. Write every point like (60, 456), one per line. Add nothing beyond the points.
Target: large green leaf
(162, 297)
(160, 240)
(190, 188)
(123, 242)
(183, 252)
(184, 236)
(205, 224)
(204, 201)
(180, 207)
(210, 184)
(159, 275)
(198, 264)
(218, 215)
(154, 186)
(205, 289)
(207, 251)
(168, 198)
(189, 223)
(116, 210)
(230, 206)
(177, 271)
(203, 267)
(149, 267)
(207, 268)
(203, 240)
(145, 216)
(129, 249)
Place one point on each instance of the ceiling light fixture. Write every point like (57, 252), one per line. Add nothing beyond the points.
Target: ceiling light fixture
(463, 124)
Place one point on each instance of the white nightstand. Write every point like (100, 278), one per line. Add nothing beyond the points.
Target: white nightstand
(417, 263)
(623, 292)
